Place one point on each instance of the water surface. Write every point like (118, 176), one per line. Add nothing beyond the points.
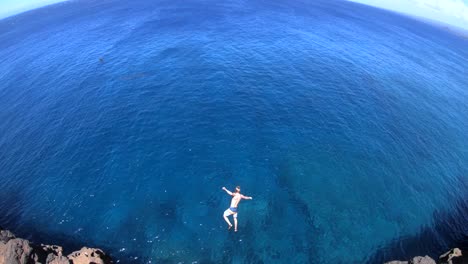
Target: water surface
(120, 123)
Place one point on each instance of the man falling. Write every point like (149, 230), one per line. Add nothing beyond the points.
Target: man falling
(236, 197)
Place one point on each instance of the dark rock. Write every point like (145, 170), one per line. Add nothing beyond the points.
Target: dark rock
(5, 236)
(19, 251)
(54, 255)
(454, 256)
(52, 249)
(415, 260)
(422, 260)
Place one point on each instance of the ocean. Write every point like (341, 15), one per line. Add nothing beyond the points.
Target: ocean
(120, 122)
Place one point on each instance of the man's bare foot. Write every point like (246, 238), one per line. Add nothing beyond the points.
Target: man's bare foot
(229, 228)
(235, 230)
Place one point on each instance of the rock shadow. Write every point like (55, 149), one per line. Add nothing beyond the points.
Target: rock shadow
(449, 230)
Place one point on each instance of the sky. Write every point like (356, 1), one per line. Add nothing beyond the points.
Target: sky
(453, 12)
(13, 7)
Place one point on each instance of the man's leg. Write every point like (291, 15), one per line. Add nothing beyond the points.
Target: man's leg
(235, 222)
(225, 215)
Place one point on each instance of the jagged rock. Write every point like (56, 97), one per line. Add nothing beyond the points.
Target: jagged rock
(454, 256)
(17, 251)
(54, 259)
(5, 236)
(415, 260)
(422, 260)
(89, 255)
(52, 250)
(57, 250)
(54, 254)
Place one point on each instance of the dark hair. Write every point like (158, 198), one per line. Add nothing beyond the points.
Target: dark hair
(238, 188)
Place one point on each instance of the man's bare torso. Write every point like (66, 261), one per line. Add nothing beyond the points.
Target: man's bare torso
(236, 199)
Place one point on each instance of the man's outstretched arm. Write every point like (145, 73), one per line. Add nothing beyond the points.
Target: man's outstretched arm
(246, 197)
(228, 192)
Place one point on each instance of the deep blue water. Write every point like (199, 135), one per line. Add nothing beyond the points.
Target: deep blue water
(120, 121)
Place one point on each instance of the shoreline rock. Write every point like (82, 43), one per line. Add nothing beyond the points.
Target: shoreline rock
(15, 250)
(453, 256)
